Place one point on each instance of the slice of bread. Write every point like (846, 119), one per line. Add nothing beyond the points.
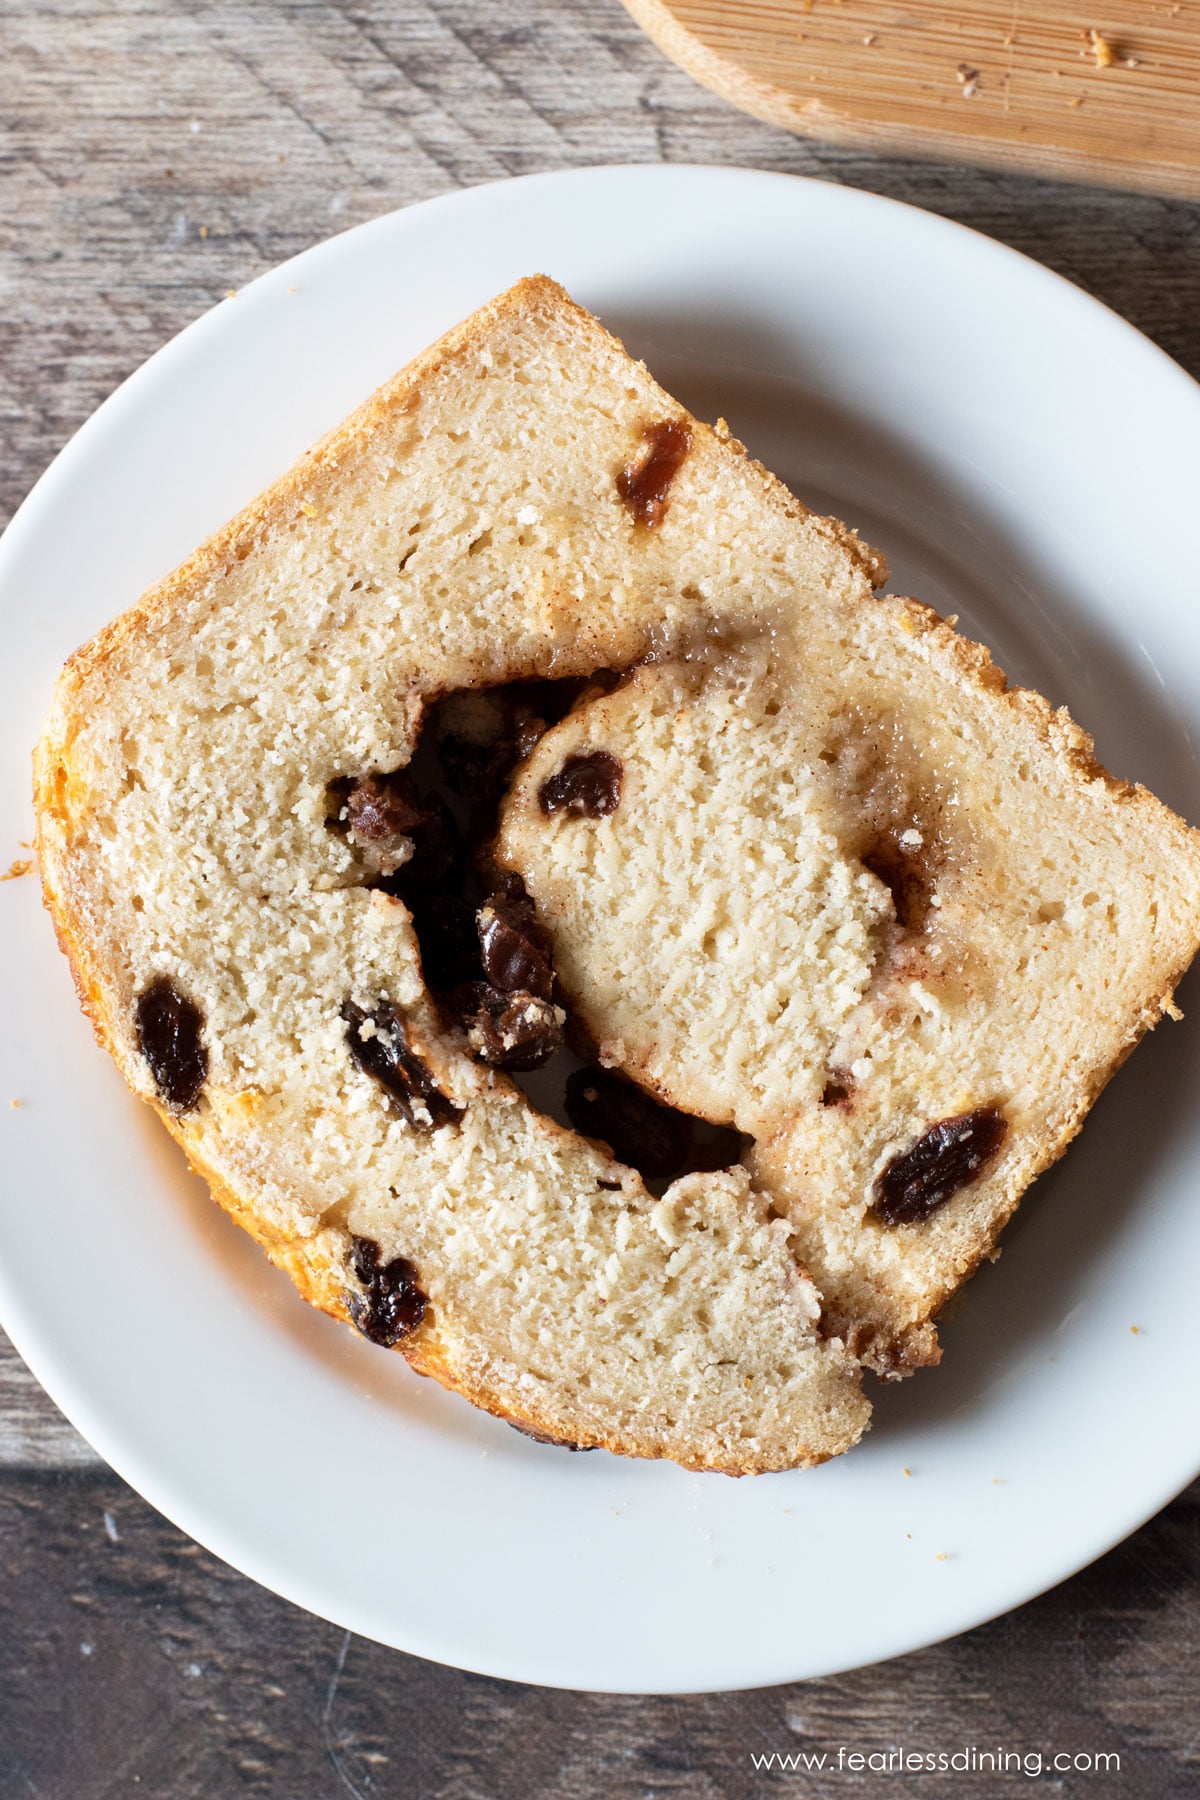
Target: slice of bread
(522, 501)
(876, 910)
(814, 871)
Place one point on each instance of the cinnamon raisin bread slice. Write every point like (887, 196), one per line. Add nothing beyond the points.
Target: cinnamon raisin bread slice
(849, 893)
(234, 859)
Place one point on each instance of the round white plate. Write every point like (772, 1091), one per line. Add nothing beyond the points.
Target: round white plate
(1027, 461)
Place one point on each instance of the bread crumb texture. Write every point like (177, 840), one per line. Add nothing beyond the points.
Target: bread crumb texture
(853, 886)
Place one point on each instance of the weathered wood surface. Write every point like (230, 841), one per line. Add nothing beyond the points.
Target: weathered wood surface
(151, 157)
(132, 1664)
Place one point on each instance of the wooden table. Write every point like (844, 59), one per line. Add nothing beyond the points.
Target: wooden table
(155, 155)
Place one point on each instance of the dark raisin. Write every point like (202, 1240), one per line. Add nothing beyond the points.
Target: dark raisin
(587, 786)
(392, 1304)
(518, 1031)
(835, 1093)
(383, 806)
(389, 1057)
(512, 948)
(543, 1437)
(170, 1034)
(377, 808)
(944, 1159)
(651, 1138)
(643, 484)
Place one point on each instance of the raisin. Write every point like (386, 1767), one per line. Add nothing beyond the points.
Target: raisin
(514, 956)
(517, 1031)
(170, 1034)
(392, 1305)
(377, 808)
(587, 786)
(653, 1139)
(395, 1065)
(383, 807)
(643, 484)
(944, 1159)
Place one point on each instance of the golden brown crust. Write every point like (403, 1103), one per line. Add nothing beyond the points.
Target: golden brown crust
(1056, 730)
(322, 1283)
(870, 562)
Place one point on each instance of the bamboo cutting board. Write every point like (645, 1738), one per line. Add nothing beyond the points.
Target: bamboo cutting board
(1109, 92)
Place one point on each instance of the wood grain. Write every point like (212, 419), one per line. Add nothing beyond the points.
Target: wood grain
(33, 1433)
(153, 155)
(147, 1668)
(1112, 94)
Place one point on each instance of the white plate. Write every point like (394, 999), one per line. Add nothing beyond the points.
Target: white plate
(1025, 459)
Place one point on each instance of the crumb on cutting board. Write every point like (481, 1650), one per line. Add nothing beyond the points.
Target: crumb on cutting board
(1102, 49)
